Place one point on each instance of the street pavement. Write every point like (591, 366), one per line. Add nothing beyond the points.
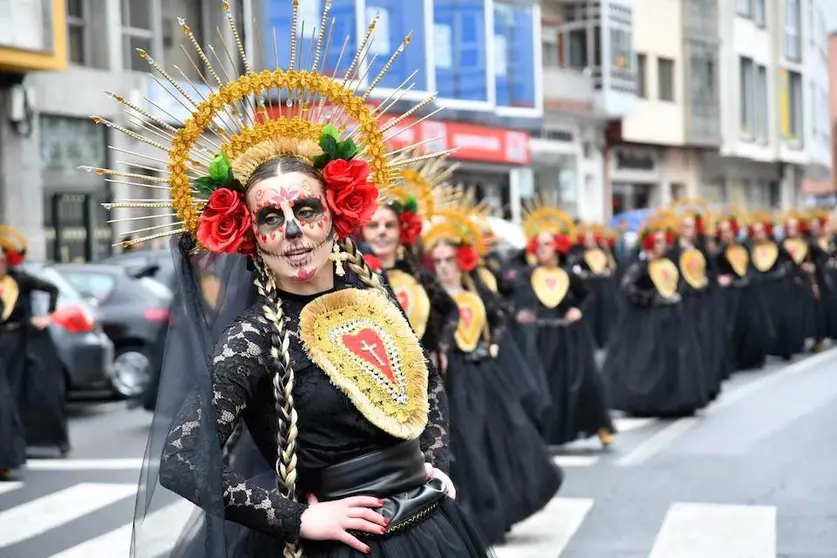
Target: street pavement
(752, 476)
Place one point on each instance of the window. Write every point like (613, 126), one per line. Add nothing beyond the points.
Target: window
(747, 87)
(77, 32)
(761, 117)
(620, 49)
(641, 76)
(743, 7)
(758, 12)
(173, 37)
(514, 56)
(793, 43)
(549, 45)
(136, 32)
(795, 106)
(98, 285)
(578, 56)
(665, 79)
(460, 49)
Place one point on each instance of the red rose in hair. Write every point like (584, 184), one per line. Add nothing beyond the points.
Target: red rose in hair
(349, 194)
(14, 258)
(562, 243)
(467, 258)
(225, 224)
(411, 225)
(373, 262)
(532, 245)
(670, 236)
(698, 224)
(649, 240)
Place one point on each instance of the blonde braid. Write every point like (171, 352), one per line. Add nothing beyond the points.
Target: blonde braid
(283, 383)
(358, 264)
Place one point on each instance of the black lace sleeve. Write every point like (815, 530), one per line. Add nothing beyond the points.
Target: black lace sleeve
(238, 364)
(31, 283)
(631, 285)
(579, 290)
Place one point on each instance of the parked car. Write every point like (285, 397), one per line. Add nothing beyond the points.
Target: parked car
(157, 264)
(85, 351)
(134, 314)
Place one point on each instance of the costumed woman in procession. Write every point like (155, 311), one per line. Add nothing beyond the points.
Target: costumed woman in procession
(749, 330)
(654, 363)
(806, 254)
(500, 465)
(598, 270)
(827, 268)
(702, 304)
(774, 269)
(393, 236)
(554, 299)
(17, 328)
(318, 362)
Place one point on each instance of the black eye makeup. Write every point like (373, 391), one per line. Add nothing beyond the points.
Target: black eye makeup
(270, 218)
(308, 208)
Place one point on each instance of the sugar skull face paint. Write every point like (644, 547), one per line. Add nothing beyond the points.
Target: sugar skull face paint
(446, 264)
(292, 224)
(546, 249)
(382, 233)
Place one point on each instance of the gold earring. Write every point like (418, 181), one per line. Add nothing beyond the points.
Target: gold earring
(338, 257)
(399, 252)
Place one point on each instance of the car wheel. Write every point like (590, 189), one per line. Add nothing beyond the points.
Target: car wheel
(131, 371)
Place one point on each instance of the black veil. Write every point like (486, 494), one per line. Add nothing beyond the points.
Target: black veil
(212, 291)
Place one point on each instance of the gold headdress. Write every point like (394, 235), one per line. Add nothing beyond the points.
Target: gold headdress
(660, 220)
(423, 183)
(12, 240)
(258, 116)
(539, 218)
(698, 209)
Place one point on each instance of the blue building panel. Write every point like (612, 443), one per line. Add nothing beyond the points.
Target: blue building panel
(514, 56)
(397, 18)
(460, 55)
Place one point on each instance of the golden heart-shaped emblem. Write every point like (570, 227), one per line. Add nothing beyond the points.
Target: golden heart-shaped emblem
(693, 267)
(413, 299)
(738, 259)
(764, 255)
(596, 260)
(797, 248)
(824, 242)
(9, 292)
(472, 320)
(551, 285)
(364, 344)
(664, 275)
(488, 279)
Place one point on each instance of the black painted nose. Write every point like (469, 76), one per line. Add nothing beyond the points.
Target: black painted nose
(293, 230)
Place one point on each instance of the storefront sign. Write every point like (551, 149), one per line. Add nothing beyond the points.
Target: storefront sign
(628, 160)
(473, 142)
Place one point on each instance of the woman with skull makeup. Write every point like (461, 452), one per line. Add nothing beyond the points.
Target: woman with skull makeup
(654, 362)
(500, 467)
(299, 414)
(551, 298)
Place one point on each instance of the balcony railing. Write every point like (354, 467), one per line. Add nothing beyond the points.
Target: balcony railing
(567, 88)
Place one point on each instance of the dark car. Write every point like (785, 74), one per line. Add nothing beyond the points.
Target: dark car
(85, 351)
(157, 264)
(135, 315)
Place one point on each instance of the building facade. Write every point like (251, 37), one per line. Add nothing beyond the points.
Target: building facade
(589, 81)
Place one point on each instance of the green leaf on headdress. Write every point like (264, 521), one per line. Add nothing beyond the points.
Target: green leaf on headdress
(329, 145)
(320, 161)
(411, 205)
(205, 185)
(220, 169)
(348, 149)
(331, 130)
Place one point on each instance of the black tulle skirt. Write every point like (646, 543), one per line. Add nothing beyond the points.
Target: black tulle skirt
(477, 488)
(44, 408)
(654, 363)
(578, 408)
(12, 367)
(698, 311)
(752, 330)
(521, 369)
(601, 308)
(786, 316)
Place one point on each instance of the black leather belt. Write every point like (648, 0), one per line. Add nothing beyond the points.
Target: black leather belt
(396, 475)
(10, 326)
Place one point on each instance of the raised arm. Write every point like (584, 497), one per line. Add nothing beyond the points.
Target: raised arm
(239, 361)
(32, 283)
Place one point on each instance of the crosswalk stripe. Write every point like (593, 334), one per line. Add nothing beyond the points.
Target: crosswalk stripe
(43, 514)
(717, 530)
(160, 528)
(548, 532)
(84, 464)
(9, 486)
(626, 424)
(575, 460)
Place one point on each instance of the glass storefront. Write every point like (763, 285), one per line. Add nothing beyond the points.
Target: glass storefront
(628, 197)
(557, 184)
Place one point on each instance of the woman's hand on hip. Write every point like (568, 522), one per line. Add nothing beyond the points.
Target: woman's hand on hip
(332, 521)
(434, 473)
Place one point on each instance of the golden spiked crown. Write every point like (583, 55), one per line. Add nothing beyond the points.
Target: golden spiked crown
(423, 186)
(539, 217)
(12, 240)
(248, 119)
(455, 220)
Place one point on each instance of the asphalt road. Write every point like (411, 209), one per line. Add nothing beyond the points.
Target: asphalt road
(753, 476)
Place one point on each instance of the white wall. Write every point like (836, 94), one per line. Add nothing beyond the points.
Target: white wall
(816, 79)
(741, 37)
(654, 121)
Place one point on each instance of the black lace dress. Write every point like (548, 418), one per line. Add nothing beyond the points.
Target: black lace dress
(331, 430)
